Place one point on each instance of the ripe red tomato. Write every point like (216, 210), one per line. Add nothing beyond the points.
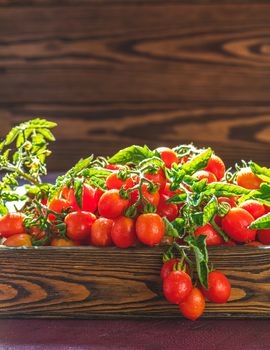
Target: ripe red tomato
(61, 242)
(169, 210)
(79, 225)
(168, 192)
(11, 224)
(219, 288)
(150, 228)
(151, 197)
(123, 232)
(18, 240)
(229, 200)
(216, 166)
(264, 236)
(58, 205)
(267, 209)
(114, 182)
(177, 286)
(247, 179)
(158, 178)
(168, 156)
(203, 174)
(255, 208)
(212, 236)
(236, 224)
(111, 204)
(113, 166)
(89, 200)
(168, 266)
(101, 232)
(193, 306)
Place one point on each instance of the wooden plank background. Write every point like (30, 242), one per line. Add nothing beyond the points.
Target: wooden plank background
(112, 73)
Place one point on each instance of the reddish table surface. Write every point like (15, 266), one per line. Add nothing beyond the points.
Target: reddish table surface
(123, 334)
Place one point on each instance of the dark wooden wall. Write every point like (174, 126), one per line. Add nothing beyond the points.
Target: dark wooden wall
(112, 73)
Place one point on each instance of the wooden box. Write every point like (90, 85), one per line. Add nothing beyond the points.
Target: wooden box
(87, 282)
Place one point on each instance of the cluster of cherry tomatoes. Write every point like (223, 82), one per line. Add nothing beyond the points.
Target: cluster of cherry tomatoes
(130, 209)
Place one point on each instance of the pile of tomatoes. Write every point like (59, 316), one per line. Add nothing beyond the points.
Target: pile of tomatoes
(131, 208)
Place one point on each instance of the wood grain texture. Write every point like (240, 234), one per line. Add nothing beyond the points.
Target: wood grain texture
(113, 73)
(85, 282)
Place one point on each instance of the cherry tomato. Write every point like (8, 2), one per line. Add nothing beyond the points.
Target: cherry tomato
(123, 232)
(150, 229)
(79, 225)
(168, 156)
(169, 210)
(18, 240)
(212, 236)
(194, 304)
(264, 236)
(203, 174)
(255, 208)
(101, 232)
(236, 224)
(89, 200)
(11, 224)
(229, 200)
(61, 242)
(169, 265)
(112, 167)
(216, 166)
(58, 205)
(177, 286)
(168, 192)
(111, 204)
(151, 197)
(267, 209)
(158, 178)
(219, 288)
(247, 179)
(114, 182)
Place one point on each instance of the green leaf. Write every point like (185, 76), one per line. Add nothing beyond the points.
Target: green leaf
(11, 136)
(220, 189)
(97, 172)
(78, 191)
(261, 223)
(198, 246)
(47, 134)
(133, 154)
(3, 209)
(198, 162)
(80, 165)
(177, 198)
(262, 172)
(170, 230)
(210, 210)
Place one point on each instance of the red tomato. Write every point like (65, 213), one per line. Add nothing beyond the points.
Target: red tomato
(168, 156)
(114, 182)
(169, 210)
(212, 236)
(177, 286)
(79, 225)
(150, 228)
(203, 174)
(152, 198)
(158, 178)
(168, 266)
(264, 236)
(11, 224)
(229, 200)
(111, 204)
(89, 200)
(236, 224)
(219, 288)
(267, 209)
(247, 179)
(58, 205)
(193, 306)
(61, 242)
(168, 192)
(101, 232)
(18, 240)
(216, 166)
(112, 167)
(123, 232)
(255, 208)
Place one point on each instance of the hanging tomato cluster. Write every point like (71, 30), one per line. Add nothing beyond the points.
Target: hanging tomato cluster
(182, 197)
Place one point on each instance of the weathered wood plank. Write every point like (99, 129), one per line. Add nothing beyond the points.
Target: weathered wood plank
(85, 282)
